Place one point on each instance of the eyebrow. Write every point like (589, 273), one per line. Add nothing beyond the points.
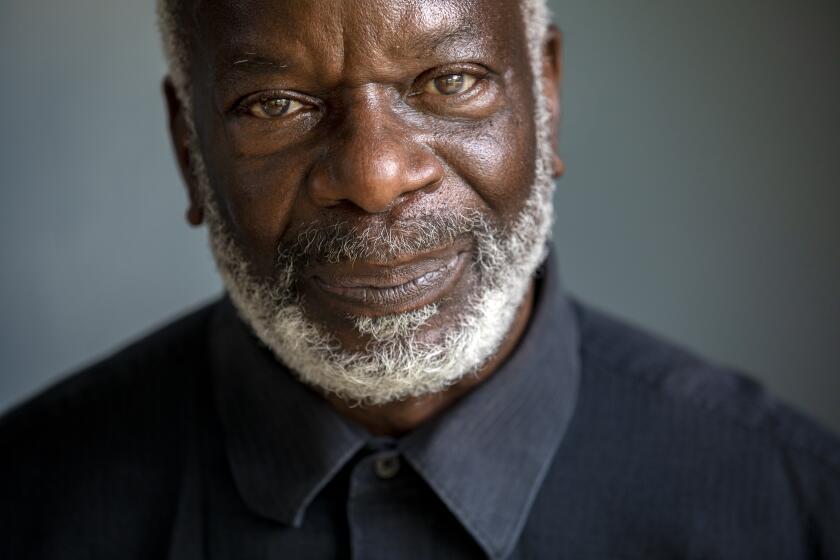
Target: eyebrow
(252, 60)
(237, 64)
(431, 42)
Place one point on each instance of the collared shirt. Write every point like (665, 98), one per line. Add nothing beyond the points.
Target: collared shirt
(467, 478)
(592, 440)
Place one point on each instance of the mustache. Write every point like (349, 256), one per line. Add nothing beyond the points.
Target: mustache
(380, 239)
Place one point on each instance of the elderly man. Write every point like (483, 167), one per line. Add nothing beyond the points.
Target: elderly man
(395, 371)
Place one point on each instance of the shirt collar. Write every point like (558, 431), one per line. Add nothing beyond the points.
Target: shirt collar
(284, 442)
(485, 458)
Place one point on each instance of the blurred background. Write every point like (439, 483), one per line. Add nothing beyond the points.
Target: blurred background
(702, 198)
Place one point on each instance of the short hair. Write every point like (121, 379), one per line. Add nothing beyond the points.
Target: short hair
(173, 24)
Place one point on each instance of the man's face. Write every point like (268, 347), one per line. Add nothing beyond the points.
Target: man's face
(366, 146)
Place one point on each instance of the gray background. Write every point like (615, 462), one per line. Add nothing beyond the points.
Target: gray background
(701, 201)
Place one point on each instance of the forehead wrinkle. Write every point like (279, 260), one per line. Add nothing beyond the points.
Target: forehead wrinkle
(428, 13)
(181, 29)
(414, 31)
(261, 37)
(343, 42)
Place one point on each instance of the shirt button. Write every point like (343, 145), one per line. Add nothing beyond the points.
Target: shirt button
(387, 466)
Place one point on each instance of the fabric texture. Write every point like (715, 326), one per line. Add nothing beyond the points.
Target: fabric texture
(593, 440)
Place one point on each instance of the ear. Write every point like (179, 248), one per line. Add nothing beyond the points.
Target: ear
(552, 77)
(180, 135)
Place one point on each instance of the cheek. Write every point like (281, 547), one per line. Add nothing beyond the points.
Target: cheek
(257, 192)
(258, 196)
(496, 160)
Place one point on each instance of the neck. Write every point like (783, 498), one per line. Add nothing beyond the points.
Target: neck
(397, 418)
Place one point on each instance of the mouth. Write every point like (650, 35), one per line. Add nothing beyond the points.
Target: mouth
(363, 288)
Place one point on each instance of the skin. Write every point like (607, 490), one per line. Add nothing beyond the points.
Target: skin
(367, 135)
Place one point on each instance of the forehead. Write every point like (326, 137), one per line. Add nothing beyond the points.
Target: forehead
(336, 35)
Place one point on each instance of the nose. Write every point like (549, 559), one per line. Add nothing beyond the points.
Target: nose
(374, 160)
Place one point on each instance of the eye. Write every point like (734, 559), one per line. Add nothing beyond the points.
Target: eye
(450, 84)
(274, 107)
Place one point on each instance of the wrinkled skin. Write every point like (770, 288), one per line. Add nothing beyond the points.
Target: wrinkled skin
(367, 135)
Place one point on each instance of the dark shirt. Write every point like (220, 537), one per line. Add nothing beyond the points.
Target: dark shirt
(593, 440)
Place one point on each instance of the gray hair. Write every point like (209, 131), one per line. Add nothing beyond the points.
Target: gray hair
(172, 15)
(396, 364)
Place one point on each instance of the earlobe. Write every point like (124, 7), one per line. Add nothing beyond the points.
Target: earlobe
(559, 166)
(195, 215)
(180, 135)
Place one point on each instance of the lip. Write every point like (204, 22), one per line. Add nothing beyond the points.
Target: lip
(370, 288)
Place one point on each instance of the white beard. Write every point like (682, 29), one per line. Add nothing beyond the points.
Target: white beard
(396, 364)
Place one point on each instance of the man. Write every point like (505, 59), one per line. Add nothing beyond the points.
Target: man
(395, 371)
